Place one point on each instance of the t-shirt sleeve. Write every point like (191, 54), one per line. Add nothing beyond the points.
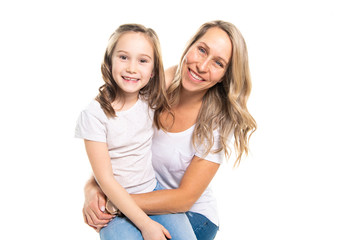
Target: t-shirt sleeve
(213, 157)
(90, 127)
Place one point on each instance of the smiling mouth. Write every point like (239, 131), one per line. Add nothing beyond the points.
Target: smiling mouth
(194, 75)
(130, 79)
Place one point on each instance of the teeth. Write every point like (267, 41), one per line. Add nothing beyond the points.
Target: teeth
(195, 76)
(130, 79)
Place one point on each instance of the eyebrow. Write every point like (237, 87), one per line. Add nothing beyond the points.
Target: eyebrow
(142, 54)
(208, 48)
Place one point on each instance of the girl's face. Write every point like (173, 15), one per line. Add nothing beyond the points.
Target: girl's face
(206, 61)
(132, 62)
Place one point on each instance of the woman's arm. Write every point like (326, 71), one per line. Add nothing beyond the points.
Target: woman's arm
(102, 169)
(197, 177)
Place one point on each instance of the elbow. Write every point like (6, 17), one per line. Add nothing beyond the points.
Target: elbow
(187, 203)
(185, 208)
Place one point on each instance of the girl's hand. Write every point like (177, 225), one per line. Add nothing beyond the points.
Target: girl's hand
(155, 231)
(94, 208)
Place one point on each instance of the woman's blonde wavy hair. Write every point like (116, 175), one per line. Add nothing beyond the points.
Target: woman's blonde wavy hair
(224, 105)
(154, 92)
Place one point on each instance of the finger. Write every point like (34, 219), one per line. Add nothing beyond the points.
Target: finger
(102, 216)
(166, 233)
(95, 220)
(101, 203)
(98, 209)
(84, 216)
(97, 227)
(86, 219)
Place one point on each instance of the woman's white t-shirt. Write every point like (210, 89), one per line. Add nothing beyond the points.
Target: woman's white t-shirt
(171, 155)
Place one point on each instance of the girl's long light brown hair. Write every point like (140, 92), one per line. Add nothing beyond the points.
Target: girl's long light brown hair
(154, 92)
(224, 105)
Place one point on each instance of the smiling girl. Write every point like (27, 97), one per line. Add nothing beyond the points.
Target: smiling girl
(117, 128)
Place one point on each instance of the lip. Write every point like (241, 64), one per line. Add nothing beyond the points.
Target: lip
(191, 73)
(130, 79)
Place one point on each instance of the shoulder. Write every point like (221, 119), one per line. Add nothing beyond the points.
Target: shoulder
(94, 109)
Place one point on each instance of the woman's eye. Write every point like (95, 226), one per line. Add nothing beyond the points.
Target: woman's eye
(219, 64)
(202, 50)
(143, 61)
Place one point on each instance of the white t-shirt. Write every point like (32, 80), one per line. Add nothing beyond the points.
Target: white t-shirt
(129, 140)
(172, 154)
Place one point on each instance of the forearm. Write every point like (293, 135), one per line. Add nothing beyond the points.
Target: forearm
(183, 198)
(123, 201)
(102, 170)
(165, 201)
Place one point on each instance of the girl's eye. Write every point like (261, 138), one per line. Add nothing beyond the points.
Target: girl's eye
(122, 57)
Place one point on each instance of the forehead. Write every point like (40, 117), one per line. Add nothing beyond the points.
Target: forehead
(135, 42)
(218, 42)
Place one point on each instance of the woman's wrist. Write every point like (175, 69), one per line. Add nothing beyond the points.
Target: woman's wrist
(92, 186)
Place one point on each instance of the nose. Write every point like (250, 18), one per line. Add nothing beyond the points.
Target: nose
(203, 65)
(131, 67)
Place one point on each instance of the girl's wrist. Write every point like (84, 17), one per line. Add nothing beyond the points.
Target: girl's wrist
(144, 223)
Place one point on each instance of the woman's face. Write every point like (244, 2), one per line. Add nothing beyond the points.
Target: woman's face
(206, 61)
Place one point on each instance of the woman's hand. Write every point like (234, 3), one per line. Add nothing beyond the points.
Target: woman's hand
(155, 231)
(94, 206)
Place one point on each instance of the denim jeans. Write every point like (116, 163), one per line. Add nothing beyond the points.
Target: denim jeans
(203, 228)
(121, 228)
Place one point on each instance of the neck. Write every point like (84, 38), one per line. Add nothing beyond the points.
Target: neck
(191, 98)
(125, 102)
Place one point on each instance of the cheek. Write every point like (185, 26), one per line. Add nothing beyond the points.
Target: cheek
(147, 71)
(217, 75)
(116, 67)
(191, 56)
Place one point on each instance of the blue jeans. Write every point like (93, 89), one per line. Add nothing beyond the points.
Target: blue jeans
(203, 228)
(121, 228)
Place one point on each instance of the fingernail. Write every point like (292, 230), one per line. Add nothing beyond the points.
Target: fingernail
(102, 208)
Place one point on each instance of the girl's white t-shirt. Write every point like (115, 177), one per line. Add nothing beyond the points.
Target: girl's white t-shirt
(172, 154)
(129, 140)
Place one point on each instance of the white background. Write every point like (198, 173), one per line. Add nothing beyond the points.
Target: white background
(290, 187)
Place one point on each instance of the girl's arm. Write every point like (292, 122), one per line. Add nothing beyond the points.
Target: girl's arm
(197, 177)
(102, 169)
